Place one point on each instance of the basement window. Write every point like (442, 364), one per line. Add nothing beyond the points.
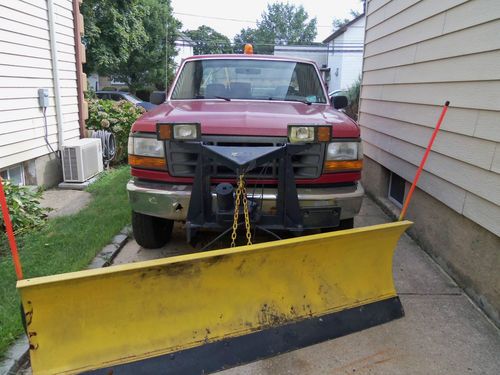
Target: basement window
(397, 189)
(15, 174)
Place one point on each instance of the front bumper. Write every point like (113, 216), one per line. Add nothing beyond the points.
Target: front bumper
(171, 201)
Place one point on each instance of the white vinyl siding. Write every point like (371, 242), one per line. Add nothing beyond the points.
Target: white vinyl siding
(345, 57)
(418, 54)
(26, 66)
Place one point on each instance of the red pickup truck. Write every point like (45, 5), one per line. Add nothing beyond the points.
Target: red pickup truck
(251, 105)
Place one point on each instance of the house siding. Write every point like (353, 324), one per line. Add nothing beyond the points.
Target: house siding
(411, 66)
(418, 54)
(318, 54)
(345, 56)
(25, 66)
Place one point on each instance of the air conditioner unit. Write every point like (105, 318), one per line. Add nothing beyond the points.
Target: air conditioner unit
(81, 159)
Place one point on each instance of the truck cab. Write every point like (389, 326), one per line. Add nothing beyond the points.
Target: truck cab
(240, 102)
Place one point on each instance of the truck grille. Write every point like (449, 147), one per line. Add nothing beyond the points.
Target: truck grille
(307, 164)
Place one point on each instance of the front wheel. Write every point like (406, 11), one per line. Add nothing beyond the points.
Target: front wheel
(151, 232)
(344, 224)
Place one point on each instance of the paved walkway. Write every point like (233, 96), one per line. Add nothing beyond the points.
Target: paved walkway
(64, 202)
(442, 332)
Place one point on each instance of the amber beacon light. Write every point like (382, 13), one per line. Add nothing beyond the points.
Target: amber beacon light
(248, 50)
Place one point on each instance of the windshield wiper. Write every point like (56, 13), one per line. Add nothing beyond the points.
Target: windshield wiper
(291, 100)
(222, 97)
(305, 101)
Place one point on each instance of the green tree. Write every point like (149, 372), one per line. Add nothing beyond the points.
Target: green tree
(339, 22)
(280, 24)
(245, 36)
(126, 40)
(208, 41)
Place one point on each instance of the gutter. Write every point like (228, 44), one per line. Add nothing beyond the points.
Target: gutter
(80, 82)
(55, 73)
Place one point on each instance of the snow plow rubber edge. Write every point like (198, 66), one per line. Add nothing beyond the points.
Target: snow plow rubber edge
(202, 312)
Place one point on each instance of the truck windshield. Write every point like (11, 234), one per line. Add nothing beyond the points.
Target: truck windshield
(249, 80)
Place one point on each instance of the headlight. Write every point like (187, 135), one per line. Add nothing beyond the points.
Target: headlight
(178, 132)
(309, 133)
(186, 131)
(343, 157)
(301, 134)
(344, 151)
(146, 153)
(145, 147)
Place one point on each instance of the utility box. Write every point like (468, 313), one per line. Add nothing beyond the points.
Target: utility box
(43, 98)
(81, 159)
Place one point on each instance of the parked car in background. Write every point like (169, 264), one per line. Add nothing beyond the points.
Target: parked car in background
(122, 95)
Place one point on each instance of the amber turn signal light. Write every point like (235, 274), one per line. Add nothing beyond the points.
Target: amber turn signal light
(147, 162)
(332, 166)
(163, 132)
(324, 134)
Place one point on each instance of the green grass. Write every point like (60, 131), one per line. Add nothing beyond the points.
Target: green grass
(65, 244)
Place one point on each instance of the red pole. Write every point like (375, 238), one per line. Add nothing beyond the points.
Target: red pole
(10, 233)
(424, 159)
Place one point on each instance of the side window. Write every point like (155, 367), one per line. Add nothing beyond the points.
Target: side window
(116, 97)
(15, 174)
(101, 95)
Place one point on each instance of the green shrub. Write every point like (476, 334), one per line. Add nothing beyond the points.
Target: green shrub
(24, 207)
(89, 94)
(116, 117)
(108, 88)
(353, 96)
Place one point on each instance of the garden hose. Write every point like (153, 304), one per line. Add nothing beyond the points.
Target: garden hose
(108, 145)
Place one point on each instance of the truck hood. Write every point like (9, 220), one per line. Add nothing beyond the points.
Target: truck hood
(253, 118)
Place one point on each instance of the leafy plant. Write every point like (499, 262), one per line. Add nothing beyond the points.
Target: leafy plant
(115, 117)
(24, 207)
(353, 95)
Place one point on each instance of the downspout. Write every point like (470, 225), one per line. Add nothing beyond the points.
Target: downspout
(79, 70)
(55, 72)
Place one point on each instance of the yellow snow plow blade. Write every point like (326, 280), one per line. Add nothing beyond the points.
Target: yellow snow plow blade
(202, 312)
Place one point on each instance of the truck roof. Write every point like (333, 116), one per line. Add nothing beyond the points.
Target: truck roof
(249, 56)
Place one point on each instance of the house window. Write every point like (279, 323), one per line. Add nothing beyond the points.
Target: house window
(397, 189)
(15, 174)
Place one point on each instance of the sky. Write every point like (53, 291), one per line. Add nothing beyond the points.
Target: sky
(246, 12)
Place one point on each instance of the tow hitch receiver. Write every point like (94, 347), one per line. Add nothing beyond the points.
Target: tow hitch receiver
(199, 313)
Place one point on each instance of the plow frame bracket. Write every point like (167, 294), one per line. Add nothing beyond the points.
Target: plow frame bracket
(201, 214)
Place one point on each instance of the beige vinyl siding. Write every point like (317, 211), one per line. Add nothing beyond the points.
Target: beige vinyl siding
(26, 66)
(417, 55)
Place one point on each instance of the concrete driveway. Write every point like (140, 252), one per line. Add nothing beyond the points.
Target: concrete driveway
(442, 332)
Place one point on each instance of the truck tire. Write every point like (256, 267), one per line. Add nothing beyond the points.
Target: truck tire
(151, 232)
(344, 224)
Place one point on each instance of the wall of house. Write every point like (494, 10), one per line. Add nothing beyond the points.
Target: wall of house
(318, 54)
(25, 66)
(184, 50)
(345, 57)
(418, 54)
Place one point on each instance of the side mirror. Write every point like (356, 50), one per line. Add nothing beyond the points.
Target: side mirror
(339, 101)
(158, 97)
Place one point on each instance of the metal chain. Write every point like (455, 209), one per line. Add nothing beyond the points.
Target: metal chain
(236, 213)
(241, 191)
(247, 216)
